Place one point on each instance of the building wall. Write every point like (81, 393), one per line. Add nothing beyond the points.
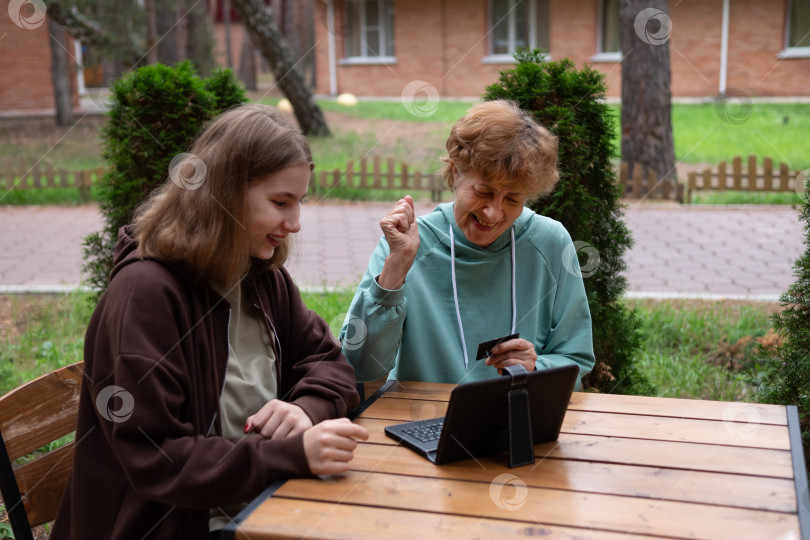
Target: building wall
(757, 30)
(574, 30)
(453, 64)
(25, 67)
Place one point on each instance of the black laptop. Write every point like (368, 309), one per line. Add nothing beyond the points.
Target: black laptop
(478, 417)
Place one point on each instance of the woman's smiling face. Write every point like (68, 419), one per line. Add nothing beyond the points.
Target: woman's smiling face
(483, 210)
(274, 209)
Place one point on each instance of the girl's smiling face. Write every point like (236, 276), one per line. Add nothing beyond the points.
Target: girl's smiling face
(274, 208)
(483, 210)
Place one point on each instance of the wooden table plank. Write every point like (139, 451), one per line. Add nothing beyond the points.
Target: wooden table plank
(624, 466)
(405, 410)
(732, 433)
(672, 454)
(691, 456)
(677, 429)
(729, 412)
(511, 501)
(754, 492)
(420, 390)
(641, 405)
(308, 519)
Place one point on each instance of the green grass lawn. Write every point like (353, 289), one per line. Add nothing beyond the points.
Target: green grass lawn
(444, 111)
(711, 133)
(780, 131)
(691, 349)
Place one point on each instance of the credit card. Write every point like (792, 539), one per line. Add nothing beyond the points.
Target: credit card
(485, 348)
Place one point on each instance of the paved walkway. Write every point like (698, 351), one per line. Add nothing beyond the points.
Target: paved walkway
(696, 251)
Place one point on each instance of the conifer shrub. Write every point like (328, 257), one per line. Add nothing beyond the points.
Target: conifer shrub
(570, 103)
(156, 112)
(786, 378)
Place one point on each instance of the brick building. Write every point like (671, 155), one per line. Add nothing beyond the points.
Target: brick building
(25, 63)
(378, 47)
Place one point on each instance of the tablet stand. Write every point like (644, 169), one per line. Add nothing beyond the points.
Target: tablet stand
(521, 449)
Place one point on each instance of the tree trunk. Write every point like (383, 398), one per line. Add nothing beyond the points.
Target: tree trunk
(80, 27)
(167, 16)
(200, 38)
(226, 23)
(62, 94)
(151, 31)
(247, 63)
(288, 75)
(646, 86)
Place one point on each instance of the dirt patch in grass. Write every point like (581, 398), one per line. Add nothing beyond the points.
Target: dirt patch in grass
(731, 307)
(80, 146)
(6, 321)
(419, 144)
(18, 311)
(34, 140)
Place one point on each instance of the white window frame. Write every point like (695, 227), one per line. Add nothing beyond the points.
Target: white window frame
(492, 58)
(603, 56)
(788, 51)
(365, 56)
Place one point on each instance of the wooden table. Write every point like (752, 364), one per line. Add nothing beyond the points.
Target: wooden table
(624, 466)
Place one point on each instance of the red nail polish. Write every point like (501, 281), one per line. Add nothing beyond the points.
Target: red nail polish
(247, 428)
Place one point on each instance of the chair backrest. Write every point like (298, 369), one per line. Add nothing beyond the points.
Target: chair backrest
(32, 416)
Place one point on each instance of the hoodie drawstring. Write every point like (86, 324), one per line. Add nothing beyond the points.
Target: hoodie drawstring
(455, 291)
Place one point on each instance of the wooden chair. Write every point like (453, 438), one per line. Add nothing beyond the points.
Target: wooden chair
(32, 416)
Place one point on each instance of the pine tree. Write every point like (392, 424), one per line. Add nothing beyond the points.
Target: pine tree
(787, 374)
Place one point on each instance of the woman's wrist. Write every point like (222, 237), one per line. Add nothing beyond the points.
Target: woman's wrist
(393, 273)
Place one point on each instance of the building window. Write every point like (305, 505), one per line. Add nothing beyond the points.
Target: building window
(369, 31)
(798, 27)
(609, 25)
(515, 24)
(797, 30)
(608, 47)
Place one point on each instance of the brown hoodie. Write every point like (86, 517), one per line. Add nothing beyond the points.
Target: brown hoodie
(156, 353)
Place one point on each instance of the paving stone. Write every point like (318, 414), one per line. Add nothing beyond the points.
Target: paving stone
(678, 249)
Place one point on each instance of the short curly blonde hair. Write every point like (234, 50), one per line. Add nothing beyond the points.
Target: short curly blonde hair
(501, 143)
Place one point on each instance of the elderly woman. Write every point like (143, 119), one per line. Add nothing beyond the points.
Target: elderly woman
(477, 269)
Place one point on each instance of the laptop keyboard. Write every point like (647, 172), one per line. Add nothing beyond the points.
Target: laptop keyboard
(425, 432)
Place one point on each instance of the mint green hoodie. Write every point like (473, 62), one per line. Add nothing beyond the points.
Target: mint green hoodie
(413, 332)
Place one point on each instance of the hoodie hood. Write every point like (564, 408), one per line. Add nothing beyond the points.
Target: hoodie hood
(126, 250)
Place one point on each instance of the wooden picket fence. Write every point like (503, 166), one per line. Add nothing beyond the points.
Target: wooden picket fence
(644, 184)
(360, 175)
(750, 179)
(21, 174)
(386, 174)
(367, 174)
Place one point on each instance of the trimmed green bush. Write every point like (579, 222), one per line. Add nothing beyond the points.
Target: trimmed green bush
(227, 90)
(786, 377)
(156, 113)
(569, 102)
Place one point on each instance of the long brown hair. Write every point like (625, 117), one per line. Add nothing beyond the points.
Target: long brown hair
(198, 216)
